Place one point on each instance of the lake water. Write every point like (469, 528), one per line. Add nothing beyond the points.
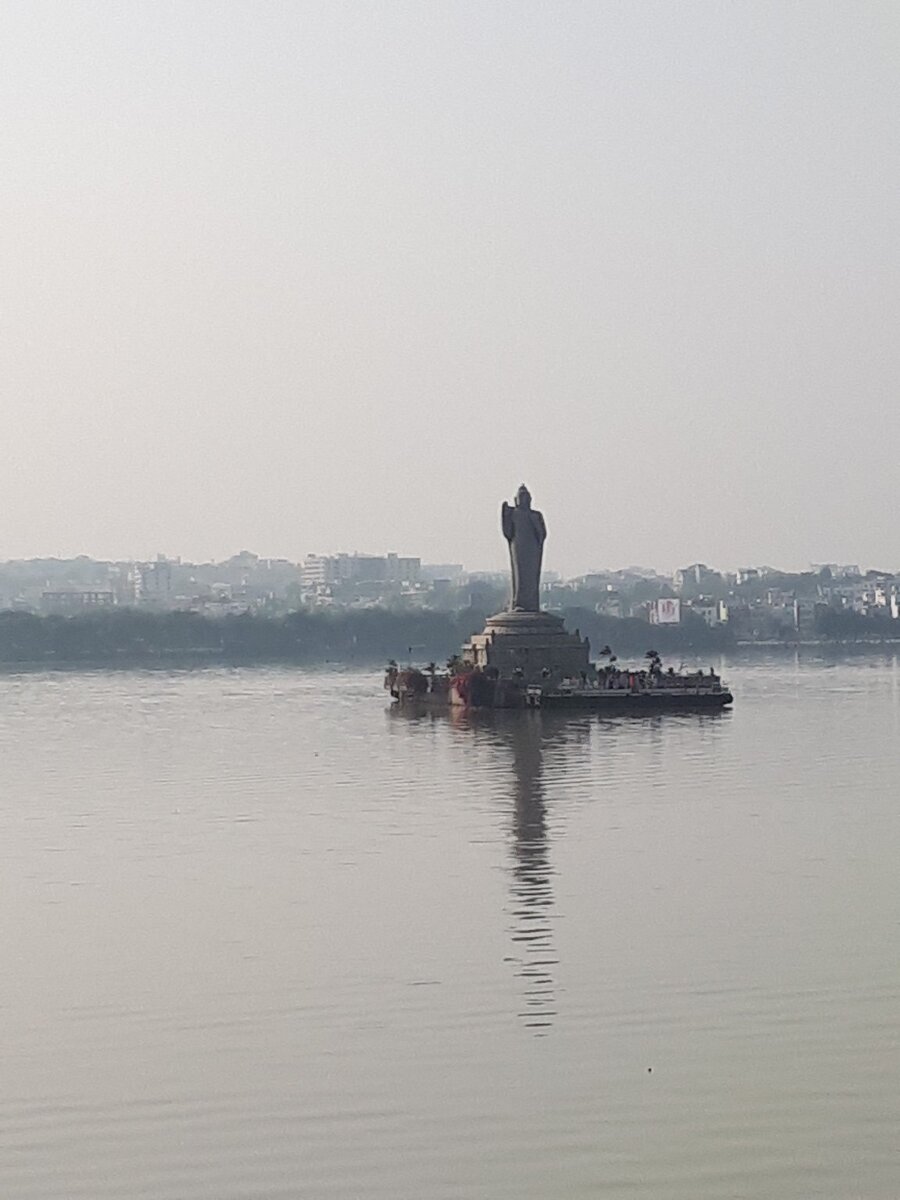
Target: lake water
(264, 938)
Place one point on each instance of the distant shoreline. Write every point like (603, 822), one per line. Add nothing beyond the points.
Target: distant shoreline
(135, 639)
(860, 643)
(313, 642)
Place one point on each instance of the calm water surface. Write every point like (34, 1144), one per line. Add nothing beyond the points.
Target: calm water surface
(264, 938)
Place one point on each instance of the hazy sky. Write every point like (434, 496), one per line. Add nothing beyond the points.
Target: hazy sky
(317, 276)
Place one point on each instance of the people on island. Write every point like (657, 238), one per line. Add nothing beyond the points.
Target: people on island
(654, 675)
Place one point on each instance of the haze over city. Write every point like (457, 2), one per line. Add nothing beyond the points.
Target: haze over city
(340, 276)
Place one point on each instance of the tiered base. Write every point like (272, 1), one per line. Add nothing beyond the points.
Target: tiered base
(532, 647)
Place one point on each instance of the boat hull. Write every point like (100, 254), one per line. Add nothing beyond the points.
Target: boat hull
(613, 700)
(632, 702)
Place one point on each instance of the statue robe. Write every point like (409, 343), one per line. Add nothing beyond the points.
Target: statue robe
(525, 531)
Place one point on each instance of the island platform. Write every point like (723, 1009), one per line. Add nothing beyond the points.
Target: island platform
(526, 658)
(606, 690)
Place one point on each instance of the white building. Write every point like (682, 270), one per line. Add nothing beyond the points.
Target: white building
(326, 570)
(153, 582)
(713, 612)
(665, 611)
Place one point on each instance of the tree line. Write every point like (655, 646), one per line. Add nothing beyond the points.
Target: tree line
(131, 636)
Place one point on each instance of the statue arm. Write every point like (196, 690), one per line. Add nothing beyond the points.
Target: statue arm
(506, 522)
(540, 527)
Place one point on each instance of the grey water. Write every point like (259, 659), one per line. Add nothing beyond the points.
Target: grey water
(263, 937)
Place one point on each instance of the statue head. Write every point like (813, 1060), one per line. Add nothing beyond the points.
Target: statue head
(523, 497)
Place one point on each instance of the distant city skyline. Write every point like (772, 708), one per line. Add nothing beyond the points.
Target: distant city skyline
(755, 604)
(580, 563)
(549, 572)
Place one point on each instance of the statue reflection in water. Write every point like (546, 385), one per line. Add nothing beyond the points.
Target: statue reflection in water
(528, 741)
(531, 892)
(527, 737)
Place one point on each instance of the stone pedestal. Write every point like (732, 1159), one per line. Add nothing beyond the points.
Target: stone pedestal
(534, 643)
